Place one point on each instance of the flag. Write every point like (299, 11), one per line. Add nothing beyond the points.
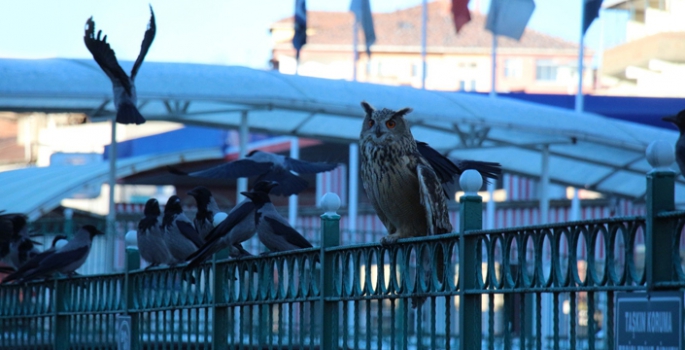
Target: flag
(590, 12)
(362, 13)
(509, 17)
(300, 37)
(460, 13)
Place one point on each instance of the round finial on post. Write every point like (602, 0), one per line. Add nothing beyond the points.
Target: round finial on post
(471, 181)
(218, 218)
(660, 155)
(131, 239)
(68, 213)
(330, 202)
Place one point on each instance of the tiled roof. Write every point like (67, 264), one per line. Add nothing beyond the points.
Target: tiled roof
(403, 28)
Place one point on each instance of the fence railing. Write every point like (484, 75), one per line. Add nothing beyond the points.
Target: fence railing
(547, 286)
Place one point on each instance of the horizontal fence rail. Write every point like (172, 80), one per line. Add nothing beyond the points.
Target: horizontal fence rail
(534, 287)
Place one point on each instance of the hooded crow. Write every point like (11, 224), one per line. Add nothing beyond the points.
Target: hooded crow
(125, 98)
(179, 233)
(679, 121)
(238, 227)
(206, 209)
(21, 246)
(35, 261)
(267, 167)
(65, 260)
(273, 230)
(151, 243)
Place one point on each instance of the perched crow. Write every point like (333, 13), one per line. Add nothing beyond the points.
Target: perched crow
(36, 260)
(179, 233)
(238, 227)
(63, 260)
(267, 167)
(151, 243)
(272, 229)
(125, 98)
(206, 209)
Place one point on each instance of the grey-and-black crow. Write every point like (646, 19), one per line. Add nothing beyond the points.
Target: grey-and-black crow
(273, 230)
(206, 209)
(267, 167)
(125, 98)
(679, 121)
(64, 260)
(179, 233)
(21, 247)
(238, 227)
(35, 261)
(151, 243)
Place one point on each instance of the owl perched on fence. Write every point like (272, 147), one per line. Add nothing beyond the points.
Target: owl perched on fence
(400, 183)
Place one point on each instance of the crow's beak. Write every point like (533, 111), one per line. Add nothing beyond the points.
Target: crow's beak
(670, 118)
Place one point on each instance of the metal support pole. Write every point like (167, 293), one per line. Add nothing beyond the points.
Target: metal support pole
(111, 215)
(493, 80)
(575, 205)
(490, 207)
(244, 135)
(353, 188)
(424, 20)
(292, 200)
(544, 185)
(355, 54)
(581, 53)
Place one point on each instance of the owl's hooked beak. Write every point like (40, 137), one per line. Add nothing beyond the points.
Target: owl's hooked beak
(378, 132)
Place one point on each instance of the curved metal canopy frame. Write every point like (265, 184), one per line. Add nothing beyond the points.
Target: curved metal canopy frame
(585, 150)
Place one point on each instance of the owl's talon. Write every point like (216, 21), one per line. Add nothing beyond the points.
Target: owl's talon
(389, 239)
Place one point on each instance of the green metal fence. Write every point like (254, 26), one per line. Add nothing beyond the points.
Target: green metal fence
(548, 286)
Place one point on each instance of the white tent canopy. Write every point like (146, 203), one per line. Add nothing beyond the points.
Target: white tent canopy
(585, 150)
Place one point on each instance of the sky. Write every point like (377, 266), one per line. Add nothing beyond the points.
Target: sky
(230, 32)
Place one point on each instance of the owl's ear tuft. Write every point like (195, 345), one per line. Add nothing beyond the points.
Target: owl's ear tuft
(367, 108)
(402, 112)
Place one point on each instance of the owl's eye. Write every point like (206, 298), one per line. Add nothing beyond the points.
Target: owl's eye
(371, 122)
(390, 124)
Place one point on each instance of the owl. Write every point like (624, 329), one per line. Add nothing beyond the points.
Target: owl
(400, 183)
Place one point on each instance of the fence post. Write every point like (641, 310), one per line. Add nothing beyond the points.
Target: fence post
(61, 325)
(330, 237)
(220, 316)
(471, 218)
(132, 264)
(659, 252)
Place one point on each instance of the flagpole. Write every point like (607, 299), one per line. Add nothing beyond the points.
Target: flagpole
(355, 54)
(493, 84)
(424, 19)
(581, 53)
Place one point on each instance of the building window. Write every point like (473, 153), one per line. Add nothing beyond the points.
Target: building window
(513, 68)
(545, 70)
(462, 85)
(473, 85)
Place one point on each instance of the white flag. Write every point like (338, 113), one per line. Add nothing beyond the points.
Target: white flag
(509, 17)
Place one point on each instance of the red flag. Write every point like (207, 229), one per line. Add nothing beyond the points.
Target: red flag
(460, 13)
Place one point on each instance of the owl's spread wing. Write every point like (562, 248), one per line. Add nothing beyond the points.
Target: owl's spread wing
(432, 199)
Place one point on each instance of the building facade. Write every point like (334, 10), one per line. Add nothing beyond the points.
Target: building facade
(538, 63)
(651, 63)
